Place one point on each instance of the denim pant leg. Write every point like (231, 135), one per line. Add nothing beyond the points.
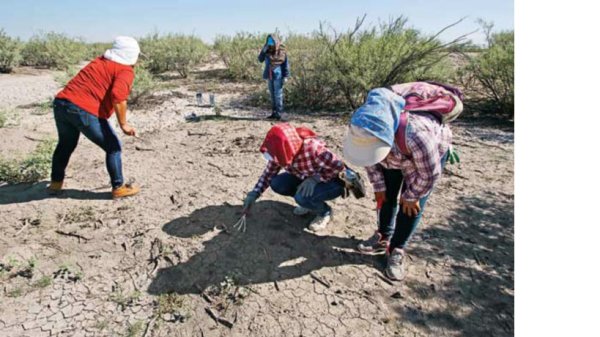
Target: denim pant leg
(389, 209)
(99, 131)
(323, 191)
(405, 225)
(278, 94)
(271, 84)
(285, 184)
(68, 137)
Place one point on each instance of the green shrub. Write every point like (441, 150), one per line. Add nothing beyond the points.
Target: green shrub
(33, 168)
(10, 52)
(93, 50)
(173, 52)
(489, 75)
(359, 60)
(65, 76)
(310, 85)
(53, 50)
(240, 55)
(3, 118)
(144, 84)
(335, 71)
(9, 117)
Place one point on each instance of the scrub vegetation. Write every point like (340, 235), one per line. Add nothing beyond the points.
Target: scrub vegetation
(33, 168)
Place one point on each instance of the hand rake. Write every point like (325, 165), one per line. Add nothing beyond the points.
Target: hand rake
(240, 225)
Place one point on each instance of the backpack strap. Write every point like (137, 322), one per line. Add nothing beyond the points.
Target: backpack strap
(400, 137)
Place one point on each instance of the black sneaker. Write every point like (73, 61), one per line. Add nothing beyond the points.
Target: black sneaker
(376, 244)
(275, 116)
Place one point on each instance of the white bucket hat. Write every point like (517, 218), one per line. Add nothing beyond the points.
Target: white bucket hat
(125, 50)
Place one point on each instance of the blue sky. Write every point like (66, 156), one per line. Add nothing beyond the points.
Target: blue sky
(103, 20)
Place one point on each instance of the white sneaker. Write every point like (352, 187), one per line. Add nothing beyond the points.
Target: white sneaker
(320, 222)
(395, 269)
(300, 211)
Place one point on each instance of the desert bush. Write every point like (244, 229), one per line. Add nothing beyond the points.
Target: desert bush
(359, 60)
(9, 117)
(173, 52)
(489, 75)
(335, 71)
(93, 50)
(65, 76)
(53, 50)
(144, 84)
(239, 53)
(310, 86)
(10, 52)
(3, 118)
(33, 168)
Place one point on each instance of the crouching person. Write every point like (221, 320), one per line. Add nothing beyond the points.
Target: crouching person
(311, 177)
(84, 107)
(371, 142)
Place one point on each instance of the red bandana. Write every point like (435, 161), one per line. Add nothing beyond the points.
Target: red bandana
(284, 141)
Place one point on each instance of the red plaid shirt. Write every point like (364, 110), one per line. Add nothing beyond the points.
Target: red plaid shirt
(312, 159)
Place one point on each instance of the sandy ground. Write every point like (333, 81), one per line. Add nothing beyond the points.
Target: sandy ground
(160, 263)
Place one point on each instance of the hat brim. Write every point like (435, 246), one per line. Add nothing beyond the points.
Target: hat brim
(364, 151)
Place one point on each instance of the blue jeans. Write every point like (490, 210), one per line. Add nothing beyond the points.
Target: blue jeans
(70, 122)
(404, 226)
(276, 91)
(287, 184)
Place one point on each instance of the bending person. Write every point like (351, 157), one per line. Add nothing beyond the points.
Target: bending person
(86, 104)
(370, 143)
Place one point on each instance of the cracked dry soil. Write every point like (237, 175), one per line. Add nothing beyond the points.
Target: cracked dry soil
(168, 263)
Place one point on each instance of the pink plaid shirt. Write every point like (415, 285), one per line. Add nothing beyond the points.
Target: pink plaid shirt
(312, 159)
(427, 141)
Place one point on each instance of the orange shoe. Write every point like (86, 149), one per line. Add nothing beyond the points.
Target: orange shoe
(126, 190)
(55, 187)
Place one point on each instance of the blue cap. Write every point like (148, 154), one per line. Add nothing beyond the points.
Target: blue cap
(380, 114)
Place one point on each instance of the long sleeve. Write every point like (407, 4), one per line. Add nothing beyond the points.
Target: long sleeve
(265, 179)
(375, 175)
(426, 159)
(285, 68)
(262, 55)
(330, 165)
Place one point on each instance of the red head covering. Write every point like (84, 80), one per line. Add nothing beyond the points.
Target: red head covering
(284, 141)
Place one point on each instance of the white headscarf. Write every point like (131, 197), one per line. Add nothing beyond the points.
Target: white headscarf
(125, 50)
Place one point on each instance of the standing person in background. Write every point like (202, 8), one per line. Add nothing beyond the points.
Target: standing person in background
(85, 105)
(276, 72)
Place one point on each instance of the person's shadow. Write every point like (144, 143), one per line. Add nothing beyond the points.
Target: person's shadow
(21, 193)
(274, 247)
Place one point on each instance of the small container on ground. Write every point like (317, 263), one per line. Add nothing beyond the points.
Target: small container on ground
(199, 98)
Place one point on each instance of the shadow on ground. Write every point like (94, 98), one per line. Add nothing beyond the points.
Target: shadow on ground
(22, 193)
(479, 292)
(274, 247)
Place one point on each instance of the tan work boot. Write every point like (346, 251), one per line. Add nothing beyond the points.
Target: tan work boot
(55, 187)
(125, 190)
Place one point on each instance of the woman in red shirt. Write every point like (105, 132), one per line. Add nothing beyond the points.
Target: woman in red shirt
(86, 104)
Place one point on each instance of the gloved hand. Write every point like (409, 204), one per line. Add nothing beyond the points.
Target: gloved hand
(251, 198)
(453, 156)
(379, 199)
(307, 187)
